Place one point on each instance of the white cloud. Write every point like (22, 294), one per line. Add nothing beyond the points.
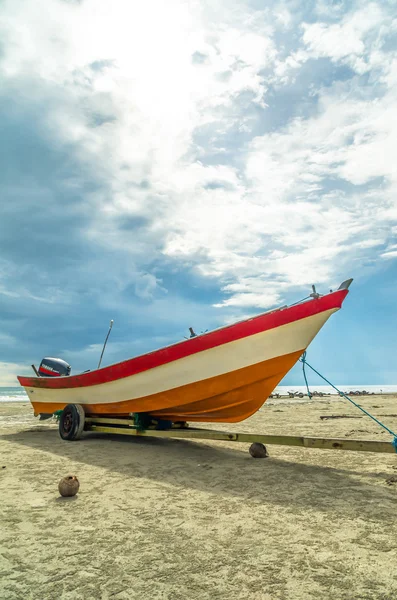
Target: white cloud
(390, 252)
(261, 300)
(345, 40)
(283, 212)
(388, 255)
(146, 286)
(9, 372)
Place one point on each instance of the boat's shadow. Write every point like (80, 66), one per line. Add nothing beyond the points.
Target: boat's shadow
(228, 470)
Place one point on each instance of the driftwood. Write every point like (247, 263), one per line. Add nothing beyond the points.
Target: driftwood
(322, 417)
(391, 480)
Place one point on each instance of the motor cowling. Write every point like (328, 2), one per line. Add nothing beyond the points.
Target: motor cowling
(54, 367)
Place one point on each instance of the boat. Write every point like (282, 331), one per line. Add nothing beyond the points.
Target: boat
(224, 375)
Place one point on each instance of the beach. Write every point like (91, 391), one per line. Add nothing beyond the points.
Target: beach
(174, 519)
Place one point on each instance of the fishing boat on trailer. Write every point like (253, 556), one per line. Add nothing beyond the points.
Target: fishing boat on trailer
(224, 375)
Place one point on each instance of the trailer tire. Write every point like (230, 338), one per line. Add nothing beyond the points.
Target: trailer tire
(71, 422)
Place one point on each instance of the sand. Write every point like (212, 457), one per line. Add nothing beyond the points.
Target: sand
(172, 519)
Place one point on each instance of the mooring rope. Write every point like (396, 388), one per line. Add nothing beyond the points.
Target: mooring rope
(305, 363)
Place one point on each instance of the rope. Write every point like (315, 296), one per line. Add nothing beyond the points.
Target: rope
(305, 363)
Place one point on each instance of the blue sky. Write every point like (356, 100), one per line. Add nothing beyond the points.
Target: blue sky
(183, 164)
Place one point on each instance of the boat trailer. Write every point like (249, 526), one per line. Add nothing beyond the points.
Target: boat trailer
(73, 422)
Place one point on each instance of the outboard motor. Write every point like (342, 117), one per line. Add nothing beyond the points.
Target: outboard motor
(54, 367)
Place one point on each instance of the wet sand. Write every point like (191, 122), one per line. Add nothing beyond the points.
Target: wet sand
(173, 519)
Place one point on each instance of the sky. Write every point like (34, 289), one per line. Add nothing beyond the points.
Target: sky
(192, 163)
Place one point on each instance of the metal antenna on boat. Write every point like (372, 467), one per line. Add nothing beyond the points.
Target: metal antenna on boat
(104, 345)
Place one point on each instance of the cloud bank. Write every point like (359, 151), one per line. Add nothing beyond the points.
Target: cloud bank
(180, 160)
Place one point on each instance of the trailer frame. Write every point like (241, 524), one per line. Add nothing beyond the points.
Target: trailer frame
(126, 426)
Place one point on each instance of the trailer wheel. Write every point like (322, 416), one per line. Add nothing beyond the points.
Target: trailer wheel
(71, 422)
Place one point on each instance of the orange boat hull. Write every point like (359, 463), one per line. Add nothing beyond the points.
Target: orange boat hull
(227, 398)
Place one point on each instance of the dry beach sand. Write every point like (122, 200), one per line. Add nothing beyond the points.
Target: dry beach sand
(174, 519)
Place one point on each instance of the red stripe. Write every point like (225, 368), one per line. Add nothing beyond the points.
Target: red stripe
(185, 348)
(48, 372)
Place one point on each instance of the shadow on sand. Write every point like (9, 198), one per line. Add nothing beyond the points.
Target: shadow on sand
(225, 471)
